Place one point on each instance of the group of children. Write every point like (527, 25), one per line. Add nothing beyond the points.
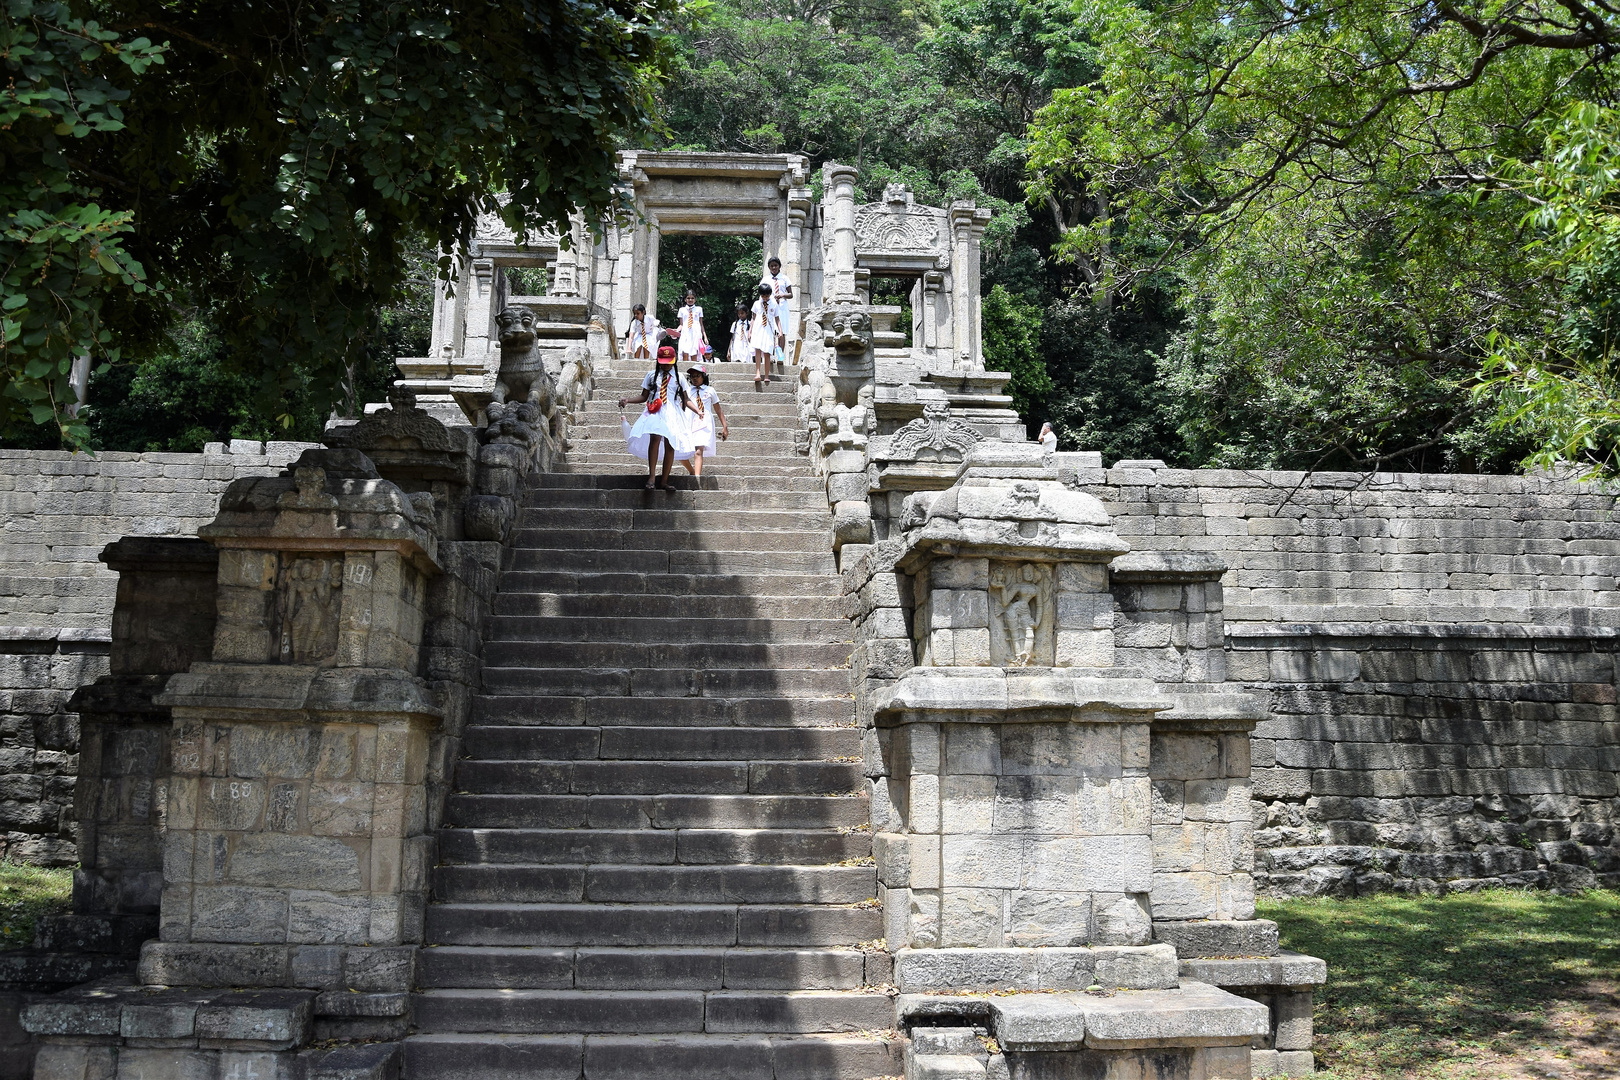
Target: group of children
(759, 333)
(678, 423)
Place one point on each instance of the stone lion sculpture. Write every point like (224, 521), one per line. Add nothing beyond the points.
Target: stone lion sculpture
(523, 375)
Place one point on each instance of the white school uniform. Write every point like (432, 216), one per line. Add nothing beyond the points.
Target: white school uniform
(739, 350)
(762, 330)
(643, 335)
(671, 420)
(780, 300)
(691, 322)
(701, 429)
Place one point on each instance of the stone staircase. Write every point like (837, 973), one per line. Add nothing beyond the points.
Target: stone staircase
(657, 862)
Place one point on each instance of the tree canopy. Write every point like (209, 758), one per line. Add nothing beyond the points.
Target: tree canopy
(270, 170)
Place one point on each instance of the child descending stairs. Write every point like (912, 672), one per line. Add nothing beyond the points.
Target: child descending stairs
(657, 864)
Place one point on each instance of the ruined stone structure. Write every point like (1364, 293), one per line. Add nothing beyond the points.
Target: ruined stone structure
(899, 747)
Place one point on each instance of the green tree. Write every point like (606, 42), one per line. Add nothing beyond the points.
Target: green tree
(1012, 342)
(1325, 188)
(286, 162)
(61, 253)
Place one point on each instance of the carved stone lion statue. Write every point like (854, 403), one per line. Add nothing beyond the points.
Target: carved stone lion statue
(523, 375)
(575, 381)
(851, 330)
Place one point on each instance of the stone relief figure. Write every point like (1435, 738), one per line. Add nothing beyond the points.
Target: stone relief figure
(843, 427)
(310, 493)
(310, 599)
(523, 375)
(1020, 614)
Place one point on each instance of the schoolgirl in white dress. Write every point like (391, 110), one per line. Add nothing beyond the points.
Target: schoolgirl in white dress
(702, 428)
(781, 299)
(738, 350)
(663, 429)
(693, 335)
(762, 333)
(641, 340)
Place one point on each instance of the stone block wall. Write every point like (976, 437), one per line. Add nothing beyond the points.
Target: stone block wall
(1433, 757)
(1386, 547)
(57, 511)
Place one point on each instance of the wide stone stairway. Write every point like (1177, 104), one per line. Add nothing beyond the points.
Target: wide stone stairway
(657, 861)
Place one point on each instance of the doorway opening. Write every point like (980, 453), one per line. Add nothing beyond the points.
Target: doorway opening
(896, 292)
(724, 271)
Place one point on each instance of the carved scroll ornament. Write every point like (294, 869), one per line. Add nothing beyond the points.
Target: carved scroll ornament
(934, 434)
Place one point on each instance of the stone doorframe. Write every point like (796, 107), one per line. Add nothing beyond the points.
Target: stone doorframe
(763, 195)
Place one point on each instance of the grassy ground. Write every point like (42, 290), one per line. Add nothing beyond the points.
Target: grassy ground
(1485, 986)
(26, 893)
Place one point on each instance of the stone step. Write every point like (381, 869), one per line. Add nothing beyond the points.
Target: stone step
(538, 501)
(795, 711)
(677, 542)
(728, 1012)
(742, 431)
(782, 466)
(684, 486)
(628, 743)
(598, 605)
(657, 811)
(658, 777)
(652, 1057)
(629, 925)
(639, 884)
(695, 627)
(653, 847)
(647, 968)
(662, 682)
(662, 560)
(696, 516)
(679, 584)
(682, 664)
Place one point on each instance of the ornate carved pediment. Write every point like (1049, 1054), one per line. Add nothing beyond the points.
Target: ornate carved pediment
(897, 224)
(934, 435)
(402, 426)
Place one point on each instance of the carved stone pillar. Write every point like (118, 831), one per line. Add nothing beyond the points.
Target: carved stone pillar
(930, 285)
(478, 341)
(964, 281)
(296, 812)
(840, 197)
(649, 293)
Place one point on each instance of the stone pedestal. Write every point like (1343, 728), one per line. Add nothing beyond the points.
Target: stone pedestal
(294, 828)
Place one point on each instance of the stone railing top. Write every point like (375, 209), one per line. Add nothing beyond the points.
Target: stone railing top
(1003, 518)
(1167, 566)
(987, 695)
(327, 498)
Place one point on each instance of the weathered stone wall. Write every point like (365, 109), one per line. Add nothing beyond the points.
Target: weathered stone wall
(57, 511)
(1439, 656)
(1416, 757)
(1393, 548)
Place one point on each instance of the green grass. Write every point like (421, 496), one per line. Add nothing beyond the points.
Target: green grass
(1485, 985)
(26, 893)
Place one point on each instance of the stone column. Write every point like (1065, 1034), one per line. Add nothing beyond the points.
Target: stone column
(931, 284)
(478, 341)
(649, 286)
(840, 199)
(964, 281)
(296, 848)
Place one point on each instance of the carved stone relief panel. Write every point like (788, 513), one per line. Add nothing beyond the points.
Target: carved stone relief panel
(1021, 615)
(311, 596)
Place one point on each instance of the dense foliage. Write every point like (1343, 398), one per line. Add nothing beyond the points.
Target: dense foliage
(1331, 190)
(269, 169)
